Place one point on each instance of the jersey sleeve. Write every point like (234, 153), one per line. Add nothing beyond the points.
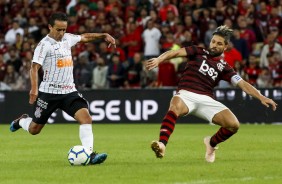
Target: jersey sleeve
(192, 51)
(40, 53)
(73, 39)
(230, 75)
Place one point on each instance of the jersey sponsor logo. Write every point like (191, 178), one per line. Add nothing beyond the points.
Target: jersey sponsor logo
(61, 86)
(64, 62)
(205, 69)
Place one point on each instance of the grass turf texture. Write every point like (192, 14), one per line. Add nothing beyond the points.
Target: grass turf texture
(252, 156)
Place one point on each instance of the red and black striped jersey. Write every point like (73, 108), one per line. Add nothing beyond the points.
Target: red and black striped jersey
(203, 71)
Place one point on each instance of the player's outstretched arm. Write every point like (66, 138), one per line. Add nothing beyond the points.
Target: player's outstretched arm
(249, 89)
(88, 37)
(154, 62)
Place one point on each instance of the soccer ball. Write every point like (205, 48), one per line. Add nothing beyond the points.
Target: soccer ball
(79, 155)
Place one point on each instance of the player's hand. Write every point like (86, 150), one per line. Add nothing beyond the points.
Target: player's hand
(109, 39)
(268, 102)
(33, 96)
(152, 63)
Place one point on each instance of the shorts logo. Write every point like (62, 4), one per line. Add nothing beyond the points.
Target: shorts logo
(41, 103)
(37, 112)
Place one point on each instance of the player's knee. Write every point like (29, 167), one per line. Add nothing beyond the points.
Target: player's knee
(174, 109)
(34, 131)
(87, 120)
(235, 127)
(178, 110)
(84, 119)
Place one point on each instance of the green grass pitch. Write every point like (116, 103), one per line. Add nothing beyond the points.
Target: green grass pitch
(253, 156)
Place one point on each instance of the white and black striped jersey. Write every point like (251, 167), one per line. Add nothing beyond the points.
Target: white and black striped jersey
(56, 60)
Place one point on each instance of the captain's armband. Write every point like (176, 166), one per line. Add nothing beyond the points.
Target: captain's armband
(235, 79)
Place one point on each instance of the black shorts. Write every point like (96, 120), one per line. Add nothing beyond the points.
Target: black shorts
(47, 103)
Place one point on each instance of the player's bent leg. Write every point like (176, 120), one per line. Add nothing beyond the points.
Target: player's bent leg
(177, 108)
(229, 126)
(227, 119)
(86, 135)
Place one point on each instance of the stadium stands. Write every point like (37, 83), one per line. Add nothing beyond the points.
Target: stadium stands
(257, 24)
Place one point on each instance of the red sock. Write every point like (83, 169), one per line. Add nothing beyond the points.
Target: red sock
(221, 135)
(167, 126)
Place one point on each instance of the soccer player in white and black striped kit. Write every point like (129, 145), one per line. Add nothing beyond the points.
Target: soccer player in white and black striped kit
(203, 71)
(57, 89)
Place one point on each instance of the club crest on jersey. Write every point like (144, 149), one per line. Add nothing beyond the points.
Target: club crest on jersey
(220, 66)
(205, 69)
(37, 112)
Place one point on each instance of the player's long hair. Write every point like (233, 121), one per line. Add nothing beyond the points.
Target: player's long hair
(224, 32)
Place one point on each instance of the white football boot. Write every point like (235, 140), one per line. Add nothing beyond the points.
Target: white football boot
(158, 148)
(210, 151)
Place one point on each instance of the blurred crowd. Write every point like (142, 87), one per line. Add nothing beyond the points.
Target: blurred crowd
(143, 29)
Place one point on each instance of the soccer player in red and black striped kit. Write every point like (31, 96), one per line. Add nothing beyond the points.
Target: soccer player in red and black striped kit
(203, 71)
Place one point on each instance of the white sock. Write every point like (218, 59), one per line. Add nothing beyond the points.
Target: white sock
(86, 136)
(25, 122)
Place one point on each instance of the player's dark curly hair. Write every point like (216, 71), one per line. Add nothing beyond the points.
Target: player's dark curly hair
(57, 16)
(224, 32)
